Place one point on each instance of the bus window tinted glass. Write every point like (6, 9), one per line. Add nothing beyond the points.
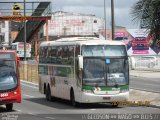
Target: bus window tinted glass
(104, 50)
(8, 79)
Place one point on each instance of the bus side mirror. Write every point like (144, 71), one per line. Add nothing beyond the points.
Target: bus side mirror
(80, 58)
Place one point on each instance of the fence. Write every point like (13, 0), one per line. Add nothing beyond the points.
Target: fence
(151, 63)
(29, 72)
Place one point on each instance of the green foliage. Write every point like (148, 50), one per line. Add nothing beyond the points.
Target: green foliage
(147, 13)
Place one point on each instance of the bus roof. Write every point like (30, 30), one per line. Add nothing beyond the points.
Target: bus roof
(80, 41)
(16, 43)
(8, 51)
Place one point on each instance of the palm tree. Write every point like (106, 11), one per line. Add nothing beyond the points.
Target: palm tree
(147, 13)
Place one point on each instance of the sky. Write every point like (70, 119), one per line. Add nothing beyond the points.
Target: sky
(122, 9)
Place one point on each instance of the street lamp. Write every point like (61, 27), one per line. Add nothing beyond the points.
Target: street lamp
(105, 18)
(112, 15)
(24, 30)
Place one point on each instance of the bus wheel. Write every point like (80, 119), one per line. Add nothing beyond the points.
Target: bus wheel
(48, 94)
(9, 107)
(72, 98)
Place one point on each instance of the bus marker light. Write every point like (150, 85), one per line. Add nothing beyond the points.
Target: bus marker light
(14, 93)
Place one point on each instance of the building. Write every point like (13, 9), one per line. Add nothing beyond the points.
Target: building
(73, 24)
(15, 28)
(4, 33)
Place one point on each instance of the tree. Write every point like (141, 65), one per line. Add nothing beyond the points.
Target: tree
(147, 13)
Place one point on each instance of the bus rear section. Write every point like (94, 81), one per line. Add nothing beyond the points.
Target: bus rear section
(140, 43)
(10, 91)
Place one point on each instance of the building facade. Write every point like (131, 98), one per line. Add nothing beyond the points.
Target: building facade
(67, 24)
(4, 32)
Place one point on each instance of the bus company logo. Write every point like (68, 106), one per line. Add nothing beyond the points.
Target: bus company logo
(97, 89)
(16, 8)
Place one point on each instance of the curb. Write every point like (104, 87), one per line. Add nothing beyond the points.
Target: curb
(154, 106)
(29, 83)
(151, 105)
(153, 70)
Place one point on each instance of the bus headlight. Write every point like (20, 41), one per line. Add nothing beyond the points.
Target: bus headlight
(124, 90)
(15, 93)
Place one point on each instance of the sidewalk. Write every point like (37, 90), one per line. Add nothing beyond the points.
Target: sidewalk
(147, 74)
(135, 95)
(153, 98)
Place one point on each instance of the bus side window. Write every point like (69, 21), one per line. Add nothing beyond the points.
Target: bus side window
(49, 55)
(59, 55)
(77, 51)
(71, 55)
(53, 54)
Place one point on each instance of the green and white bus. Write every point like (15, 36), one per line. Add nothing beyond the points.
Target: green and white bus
(84, 70)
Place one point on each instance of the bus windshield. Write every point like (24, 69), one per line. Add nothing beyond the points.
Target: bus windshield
(98, 72)
(105, 65)
(8, 78)
(104, 50)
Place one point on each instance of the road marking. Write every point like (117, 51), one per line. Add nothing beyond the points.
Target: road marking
(29, 86)
(29, 96)
(19, 110)
(50, 118)
(32, 114)
(145, 90)
(92, 109)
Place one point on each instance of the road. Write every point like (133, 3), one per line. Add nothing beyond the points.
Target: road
(35, 107)
(147, 84)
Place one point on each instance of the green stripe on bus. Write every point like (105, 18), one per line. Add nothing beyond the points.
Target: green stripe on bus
(104, 88)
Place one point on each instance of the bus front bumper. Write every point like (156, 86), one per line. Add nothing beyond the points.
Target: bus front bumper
(10, 99)
(94, 98)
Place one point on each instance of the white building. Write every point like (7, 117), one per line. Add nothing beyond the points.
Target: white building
(65, 23)
(4, 32)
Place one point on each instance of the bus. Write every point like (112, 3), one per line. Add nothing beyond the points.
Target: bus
(19, 47)
(84, 70)
(10, 91)
(140, 43)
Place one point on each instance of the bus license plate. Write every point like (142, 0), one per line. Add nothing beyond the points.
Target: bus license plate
(106, 98)
(3, 95)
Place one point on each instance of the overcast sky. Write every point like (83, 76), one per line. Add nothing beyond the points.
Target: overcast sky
(96, 7)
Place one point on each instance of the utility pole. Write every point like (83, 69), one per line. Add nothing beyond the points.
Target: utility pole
(105, 19)
(24, 30)
(112, 15)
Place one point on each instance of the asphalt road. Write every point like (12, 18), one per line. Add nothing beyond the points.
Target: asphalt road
(147, 84)
(35, 107)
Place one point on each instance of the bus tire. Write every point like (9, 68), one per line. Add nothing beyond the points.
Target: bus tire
(48, 94)
(9, 107)
(44, 88)
(72, 98)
